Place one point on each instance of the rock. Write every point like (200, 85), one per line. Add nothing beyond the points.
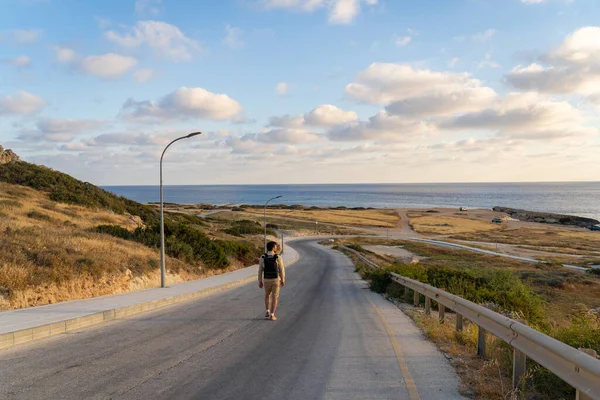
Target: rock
(7, 156)
(547, 218)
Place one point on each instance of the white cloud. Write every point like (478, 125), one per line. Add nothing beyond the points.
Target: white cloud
(340, 11)
(328, 115)
(233, 37)
(59, 130)
(453, 62)
(380, 127)
(487, 62)
(282, 88)
(65, 55)
(107, 66)
(147, 6)
(165, 39)
(402, 41)
(323, 115)
(533, 1)
(282, 135)
(143, 75)
(67, 125)
(287, 121)
(383, 83)
(20, 61)
(26, 36)
(443, 103)
(21, 102)
(582, 46)
(485, 35)
(526, 116)
(135, 139)
(344, 11)
(572, 68)
(300, 5)
(184, 103)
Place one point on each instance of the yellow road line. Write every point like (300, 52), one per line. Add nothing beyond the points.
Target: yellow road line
(410, 384)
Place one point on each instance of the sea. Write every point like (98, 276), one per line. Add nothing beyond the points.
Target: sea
(573, 198)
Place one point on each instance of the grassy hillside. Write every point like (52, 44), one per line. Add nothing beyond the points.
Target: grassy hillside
(63, 239)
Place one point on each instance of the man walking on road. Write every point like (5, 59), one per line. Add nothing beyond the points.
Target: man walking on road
(271, 269)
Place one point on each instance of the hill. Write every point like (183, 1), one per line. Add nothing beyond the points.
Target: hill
(64, 239)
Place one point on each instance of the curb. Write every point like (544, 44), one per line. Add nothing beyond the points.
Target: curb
(39, 332)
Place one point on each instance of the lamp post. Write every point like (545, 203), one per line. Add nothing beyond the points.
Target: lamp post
(265, 219)
(162, 218)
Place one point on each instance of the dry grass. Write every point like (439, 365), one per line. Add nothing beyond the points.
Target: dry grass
(379, 217)
(443, 225)
(484, 378)
(297, 226)
(544, 239)
(49, 254)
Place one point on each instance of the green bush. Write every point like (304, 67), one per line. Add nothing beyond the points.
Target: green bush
(187, 243)
(503, 288)
(247, 227)
(114, 230)
(593, 271)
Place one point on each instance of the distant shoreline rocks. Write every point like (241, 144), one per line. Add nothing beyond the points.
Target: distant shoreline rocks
(547, 218)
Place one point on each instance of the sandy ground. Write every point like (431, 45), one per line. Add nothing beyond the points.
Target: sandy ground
(404, 229)
(394, 251)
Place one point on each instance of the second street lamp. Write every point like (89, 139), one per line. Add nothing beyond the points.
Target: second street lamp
(265, 221)
(162, 218)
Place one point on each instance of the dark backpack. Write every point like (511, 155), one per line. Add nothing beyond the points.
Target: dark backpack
(271, 271)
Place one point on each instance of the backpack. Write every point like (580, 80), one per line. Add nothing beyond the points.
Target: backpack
(271, 271)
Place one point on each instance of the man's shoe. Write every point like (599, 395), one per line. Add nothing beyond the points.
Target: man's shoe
(273, 318)
(267, 315)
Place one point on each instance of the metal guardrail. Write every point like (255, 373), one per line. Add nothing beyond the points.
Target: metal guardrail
(578, 369)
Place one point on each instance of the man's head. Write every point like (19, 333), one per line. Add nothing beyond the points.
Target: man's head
(272, 246)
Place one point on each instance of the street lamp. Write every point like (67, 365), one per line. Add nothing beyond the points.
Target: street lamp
(162, 218)
(265, 216)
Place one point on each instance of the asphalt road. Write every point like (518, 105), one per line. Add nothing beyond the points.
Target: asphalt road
(333, 340)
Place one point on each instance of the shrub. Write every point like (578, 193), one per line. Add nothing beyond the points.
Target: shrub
(39, 216)
(187, 243)
(114, 230)
(594, 271)
(247, 227)
(502, 288)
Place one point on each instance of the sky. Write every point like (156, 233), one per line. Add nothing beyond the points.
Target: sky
(303, 91)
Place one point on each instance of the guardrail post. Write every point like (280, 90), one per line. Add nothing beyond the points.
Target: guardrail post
(519, 367)
(406, 293)
(579, 395)
(442, 310)
(481, 336)
(416, 299)
(459, 322)
(427, 305)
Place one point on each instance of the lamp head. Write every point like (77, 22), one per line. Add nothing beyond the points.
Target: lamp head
(193, 134)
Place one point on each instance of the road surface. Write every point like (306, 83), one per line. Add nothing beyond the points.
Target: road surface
(334, 340)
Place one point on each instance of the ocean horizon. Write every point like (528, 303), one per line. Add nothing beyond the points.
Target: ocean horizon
(571, 198)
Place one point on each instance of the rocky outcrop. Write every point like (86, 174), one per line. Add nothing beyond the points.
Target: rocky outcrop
(547, 218)
(7, 156)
